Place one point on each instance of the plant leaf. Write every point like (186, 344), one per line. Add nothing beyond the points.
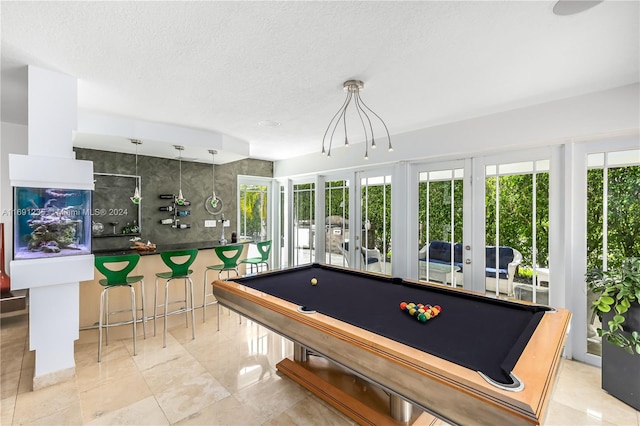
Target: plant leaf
(618, 319)
(604, 308)
(621, 309)
(607, 300)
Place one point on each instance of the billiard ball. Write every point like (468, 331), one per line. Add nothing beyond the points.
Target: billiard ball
(314, 281)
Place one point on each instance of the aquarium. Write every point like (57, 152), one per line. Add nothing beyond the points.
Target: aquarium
(50, 222)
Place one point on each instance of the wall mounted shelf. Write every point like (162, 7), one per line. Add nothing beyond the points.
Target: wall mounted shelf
(137, 234)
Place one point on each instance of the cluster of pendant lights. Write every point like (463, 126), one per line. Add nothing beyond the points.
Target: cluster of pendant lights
(365, 114)
(137, 193)
(213, 203)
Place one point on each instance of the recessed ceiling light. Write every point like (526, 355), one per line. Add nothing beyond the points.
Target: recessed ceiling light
(571, 7)
(269, 123)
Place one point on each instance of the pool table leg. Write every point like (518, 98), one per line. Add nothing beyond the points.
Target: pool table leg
(400, 409)
(300, 353)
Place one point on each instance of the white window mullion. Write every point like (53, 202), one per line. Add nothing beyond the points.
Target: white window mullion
(497, 242)
(605, 213)
(452, 229)
(428, 224)
(534, 249)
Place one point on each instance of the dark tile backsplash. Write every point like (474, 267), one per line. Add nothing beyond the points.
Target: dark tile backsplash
(161, 176)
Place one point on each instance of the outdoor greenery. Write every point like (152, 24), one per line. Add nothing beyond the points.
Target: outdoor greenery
(623, 218)
(515, 213)
(377, 211)
(253, 210)
(437, 224)
(304, 203)
(337, 199)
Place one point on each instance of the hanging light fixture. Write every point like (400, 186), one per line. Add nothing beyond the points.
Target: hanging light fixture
(180, 199)
(136, 193)
(353, 88)
(213, 204)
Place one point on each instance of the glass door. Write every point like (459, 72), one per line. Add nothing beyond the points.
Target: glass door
(440, 224)
(337, 235)
(374, 236)
(517, 230)
(253, 212)
(256, 217)
(304, 223)
(613, 220)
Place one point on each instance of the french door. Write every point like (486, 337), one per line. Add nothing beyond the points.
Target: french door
(373, 240)
(336, 221)
(517, 229)
(304, 221)
(607, 226)
(257, 217)
(443, 197)
(357, 220)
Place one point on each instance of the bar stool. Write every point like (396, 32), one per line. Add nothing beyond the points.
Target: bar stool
(264, 248)
(118, 279)
(178, 271)
(229, 256)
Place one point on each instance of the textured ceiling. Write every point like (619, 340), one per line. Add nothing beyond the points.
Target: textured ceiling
(225, 66)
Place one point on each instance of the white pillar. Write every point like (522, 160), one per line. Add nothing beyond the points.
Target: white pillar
(404, 205)
(53, 283)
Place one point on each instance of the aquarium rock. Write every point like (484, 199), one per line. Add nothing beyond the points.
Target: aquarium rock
(51, 247)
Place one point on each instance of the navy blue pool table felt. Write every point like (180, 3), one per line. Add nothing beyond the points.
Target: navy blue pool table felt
(478, 332)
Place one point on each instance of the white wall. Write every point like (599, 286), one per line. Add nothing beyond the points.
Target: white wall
(13, 140)
(597, 114)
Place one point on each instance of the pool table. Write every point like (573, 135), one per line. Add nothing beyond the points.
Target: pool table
(480, 361)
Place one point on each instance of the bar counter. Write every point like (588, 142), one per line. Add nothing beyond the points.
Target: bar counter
(148, 266)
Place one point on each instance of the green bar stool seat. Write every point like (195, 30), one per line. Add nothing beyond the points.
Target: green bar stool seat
(118, 279)
(178, 271)
(229, 256)
(264, 248)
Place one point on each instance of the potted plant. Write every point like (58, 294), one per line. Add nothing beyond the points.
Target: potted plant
(618, 307)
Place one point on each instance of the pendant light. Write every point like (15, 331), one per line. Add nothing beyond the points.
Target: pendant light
(180, 199)
(136, 193)
(213, 204)
(353, 88)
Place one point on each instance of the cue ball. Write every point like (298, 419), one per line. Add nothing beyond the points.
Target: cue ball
(314, 281)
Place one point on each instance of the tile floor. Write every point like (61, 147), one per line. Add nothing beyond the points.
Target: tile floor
(221, 378)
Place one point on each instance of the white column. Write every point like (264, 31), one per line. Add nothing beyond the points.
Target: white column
(403, 235)
(53, 283)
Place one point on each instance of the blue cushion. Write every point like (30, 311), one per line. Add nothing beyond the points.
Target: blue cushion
(505, 257)
(440, 252)
(491, 272)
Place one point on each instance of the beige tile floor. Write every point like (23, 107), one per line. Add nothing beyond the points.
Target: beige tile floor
(221, 378)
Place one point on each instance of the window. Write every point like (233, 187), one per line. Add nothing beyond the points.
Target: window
(613, 218)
